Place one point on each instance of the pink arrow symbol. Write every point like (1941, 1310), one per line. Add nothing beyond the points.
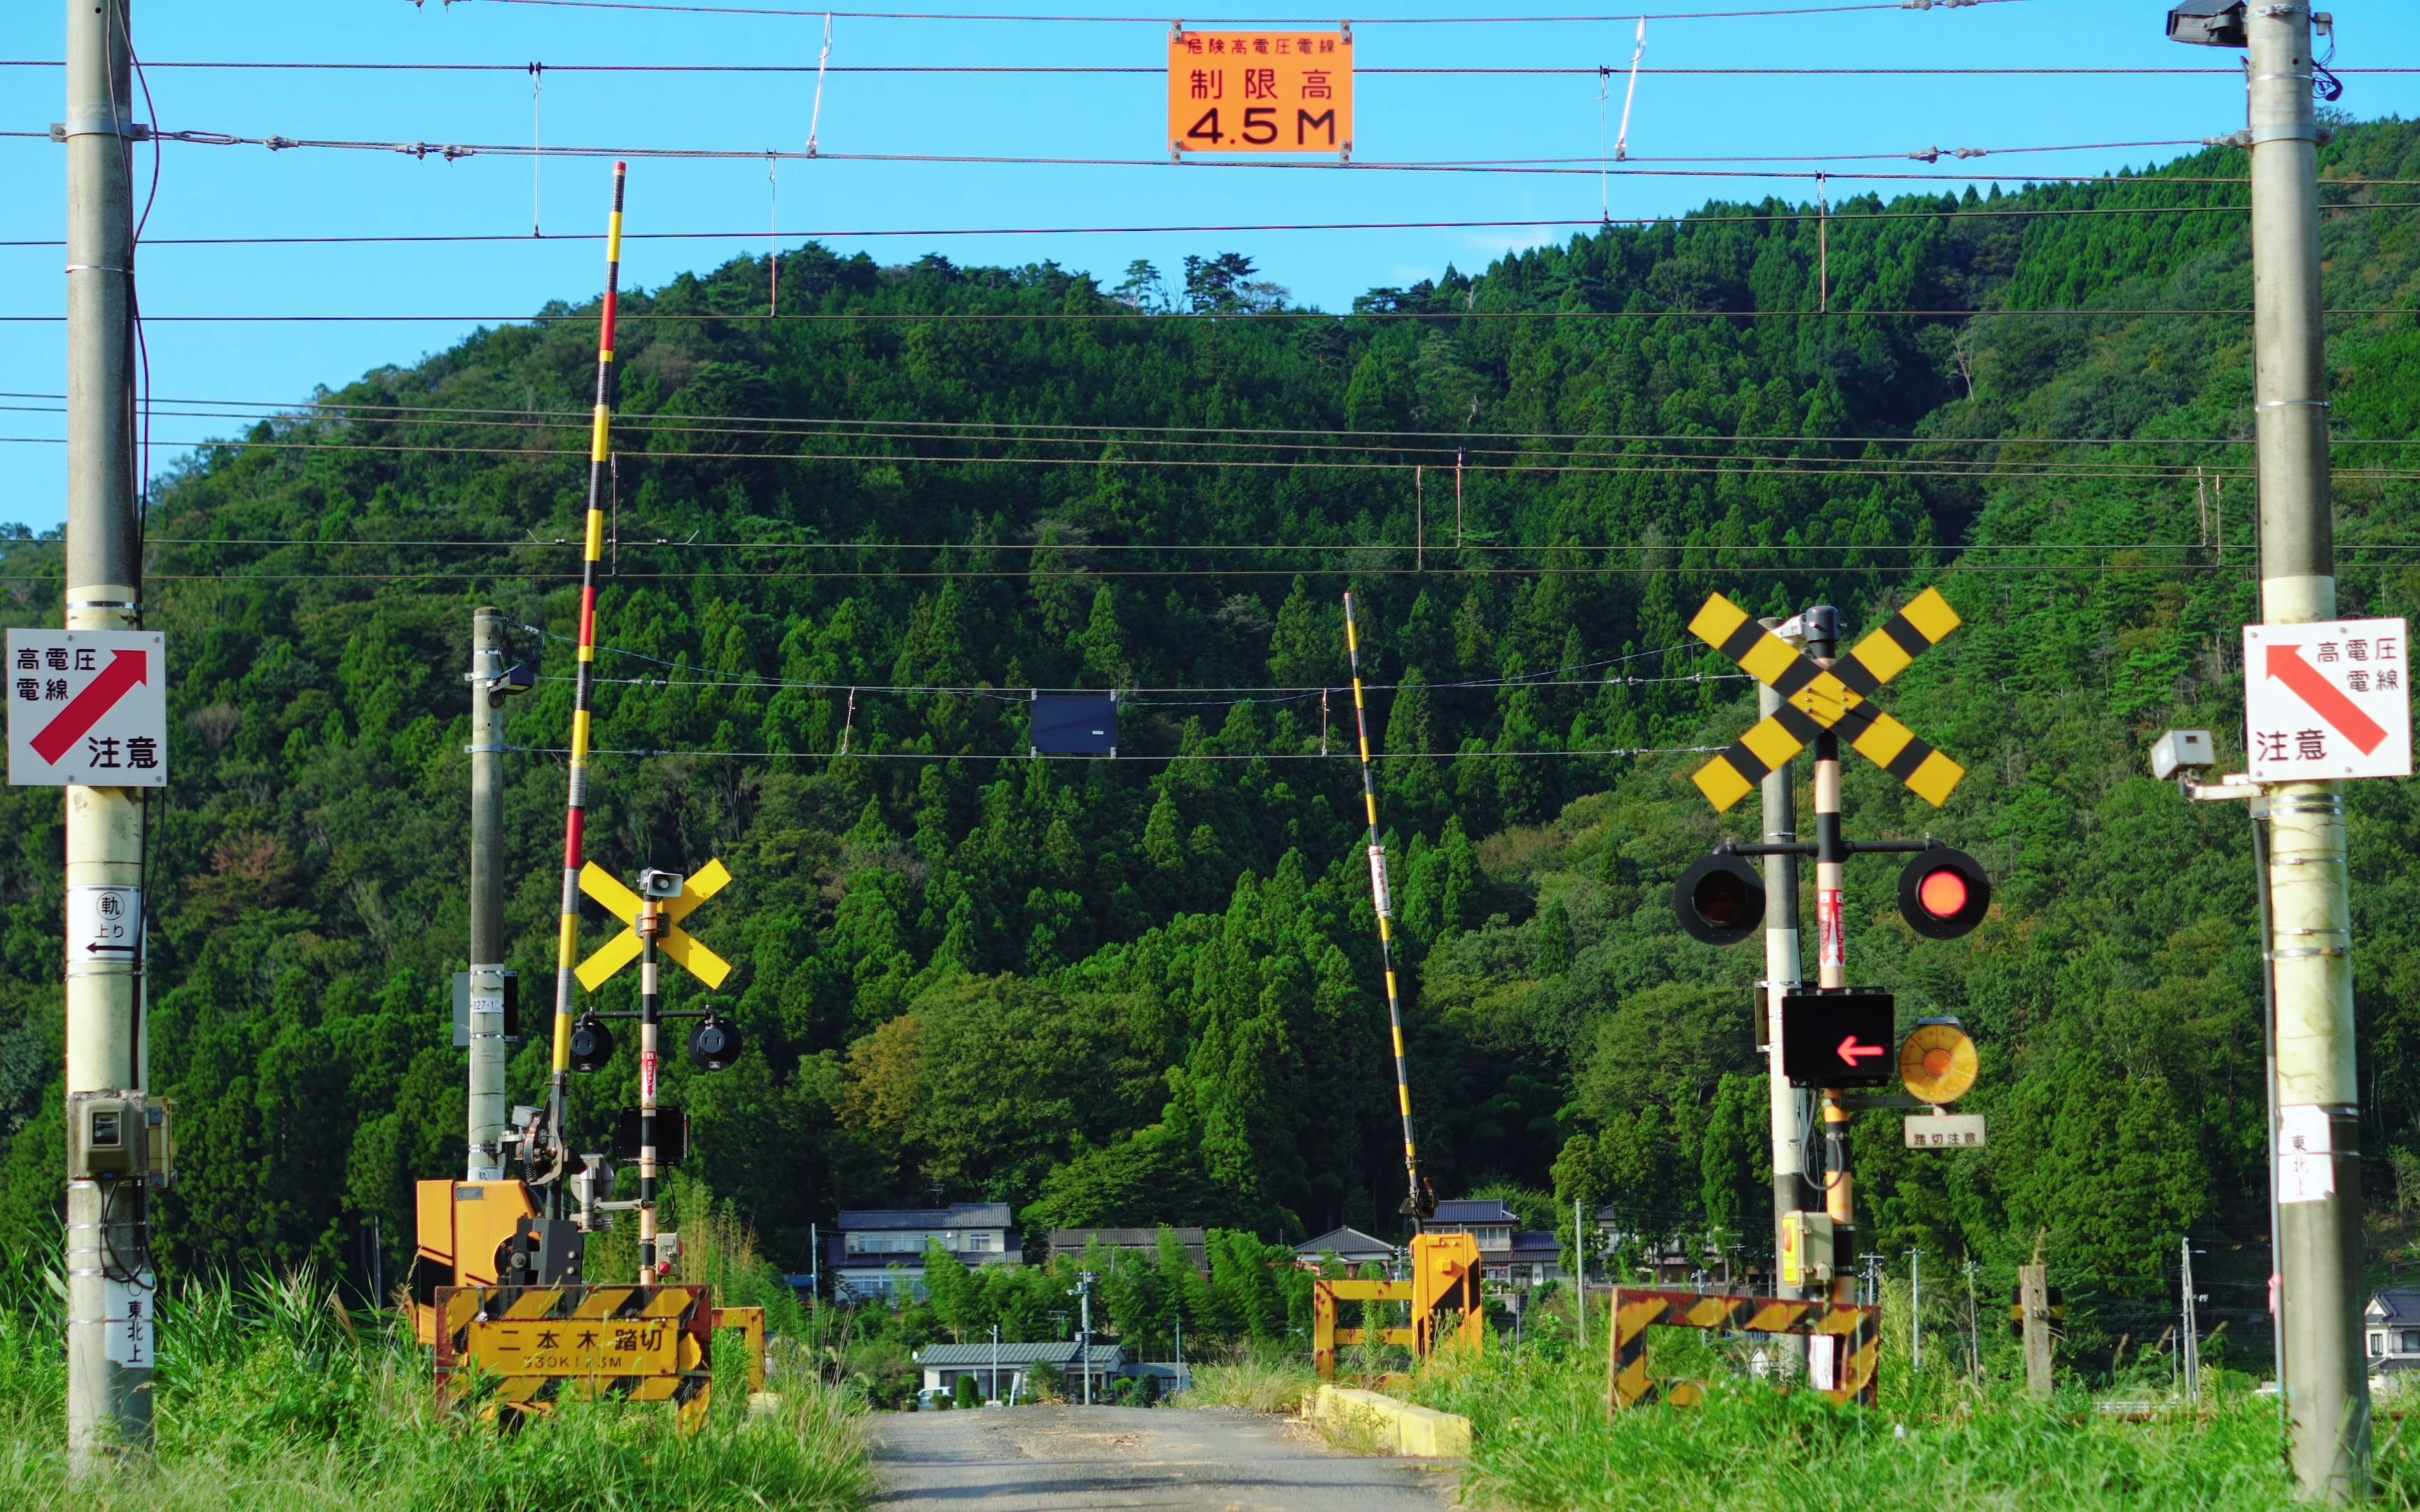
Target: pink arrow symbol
(1851, 1052)
(125, 670)
(2287, 665)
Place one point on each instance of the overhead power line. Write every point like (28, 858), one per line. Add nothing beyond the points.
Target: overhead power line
(1211, 24)
(1596, 167)
(1459, 71)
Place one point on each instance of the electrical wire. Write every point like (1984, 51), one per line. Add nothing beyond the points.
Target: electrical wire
(1047, 756)
(451, 151)
(1450, 71)
(359, 407)
(1220, 22)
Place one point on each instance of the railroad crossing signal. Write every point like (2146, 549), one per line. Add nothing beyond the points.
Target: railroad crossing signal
(1720, 899)
(1815, 699)
(1937, 1061)
(676, 942)
(1943, 893)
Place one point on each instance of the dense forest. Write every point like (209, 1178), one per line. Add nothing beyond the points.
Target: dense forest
(850, 541)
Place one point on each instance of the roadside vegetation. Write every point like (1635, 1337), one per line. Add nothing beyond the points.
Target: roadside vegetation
(272, 1398)
(1946, 1437)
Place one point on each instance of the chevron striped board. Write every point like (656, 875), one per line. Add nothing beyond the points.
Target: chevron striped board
(1858, 1329)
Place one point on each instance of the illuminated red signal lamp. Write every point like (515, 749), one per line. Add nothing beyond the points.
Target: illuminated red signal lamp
(1720, 899)
(1943, 893)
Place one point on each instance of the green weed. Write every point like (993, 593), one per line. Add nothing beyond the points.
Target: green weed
(271, 1397)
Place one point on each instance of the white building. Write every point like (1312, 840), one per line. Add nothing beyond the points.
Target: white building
(877, 1252)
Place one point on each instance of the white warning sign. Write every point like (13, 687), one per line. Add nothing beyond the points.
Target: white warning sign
(87, 707)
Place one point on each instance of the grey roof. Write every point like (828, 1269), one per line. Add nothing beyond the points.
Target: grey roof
(1343, 1242)
(1060, 1353)
(2394, 1304)
(957, 1215)
(1537, 1242)
(1473, 1210)
(1076, 1239)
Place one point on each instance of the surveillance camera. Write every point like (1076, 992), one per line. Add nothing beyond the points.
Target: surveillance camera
(2182, 751)
(655, 884)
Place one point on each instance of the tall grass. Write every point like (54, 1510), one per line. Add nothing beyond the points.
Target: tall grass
(270, 1396)
(1253, 1380)
(1545, 1442)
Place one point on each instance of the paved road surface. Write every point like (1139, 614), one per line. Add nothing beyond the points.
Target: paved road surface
(1170, 1460)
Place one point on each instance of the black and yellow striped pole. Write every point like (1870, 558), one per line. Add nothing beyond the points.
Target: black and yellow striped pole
(567, 983)
(1418, 1203)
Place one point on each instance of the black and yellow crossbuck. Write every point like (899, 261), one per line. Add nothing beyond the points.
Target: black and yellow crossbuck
(1815, 699)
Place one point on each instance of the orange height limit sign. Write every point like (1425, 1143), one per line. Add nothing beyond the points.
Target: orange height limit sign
(1259, 92)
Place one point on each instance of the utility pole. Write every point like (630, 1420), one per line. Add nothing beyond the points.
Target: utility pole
(2308, 942)
(1783, 973)
(1580, 1268)
(1084, 1332)
(1914, 1310)
(2191, 1324)
(488, 1052)
(110, 1281)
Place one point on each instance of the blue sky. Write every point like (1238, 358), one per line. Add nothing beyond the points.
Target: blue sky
(238, 191)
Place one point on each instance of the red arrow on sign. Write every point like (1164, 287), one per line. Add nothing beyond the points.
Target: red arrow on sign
(2287, 665)
(1851, 1052)
(126, 669)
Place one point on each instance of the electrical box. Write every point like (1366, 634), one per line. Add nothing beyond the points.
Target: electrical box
(118, 1136)
(1805, 1249)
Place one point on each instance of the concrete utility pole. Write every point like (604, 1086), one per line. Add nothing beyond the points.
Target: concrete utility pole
(1084, 1332)
(488, 1052)
(1915, 1310)
(1783, 972)
(108, 1242)
(2319, 1239)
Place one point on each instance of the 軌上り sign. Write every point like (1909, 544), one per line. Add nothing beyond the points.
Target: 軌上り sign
(87, 707)
(1259, 92)
(2330, 698)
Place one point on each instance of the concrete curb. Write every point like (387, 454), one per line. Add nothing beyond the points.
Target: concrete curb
(1418, 1432)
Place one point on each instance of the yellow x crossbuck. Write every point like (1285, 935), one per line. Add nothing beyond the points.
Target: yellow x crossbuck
(1815, 699)
(676, 942)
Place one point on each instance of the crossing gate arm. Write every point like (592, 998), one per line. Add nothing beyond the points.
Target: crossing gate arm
(1637, 1311)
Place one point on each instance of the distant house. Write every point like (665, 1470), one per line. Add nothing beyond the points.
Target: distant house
(875, 1252)
(1070, 1243)
(2392, 1322)
(1351, 1245)
(1507, 1252)
(1002, 1369)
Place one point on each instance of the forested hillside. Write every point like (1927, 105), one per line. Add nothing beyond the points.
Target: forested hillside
(1146, 990)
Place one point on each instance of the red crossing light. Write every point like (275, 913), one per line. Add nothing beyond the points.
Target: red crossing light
(1943, 893)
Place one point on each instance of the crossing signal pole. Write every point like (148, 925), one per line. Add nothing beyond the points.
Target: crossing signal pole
(1784, 972)
(1833, 1039)
(2309, 943)
(110, 1282)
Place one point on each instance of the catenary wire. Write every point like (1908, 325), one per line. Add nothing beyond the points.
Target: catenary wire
(1199, 23)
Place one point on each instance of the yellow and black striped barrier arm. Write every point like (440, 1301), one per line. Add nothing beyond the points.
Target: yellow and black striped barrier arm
(1815, 699)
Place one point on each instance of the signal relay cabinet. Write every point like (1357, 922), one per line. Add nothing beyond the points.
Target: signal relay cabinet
(485, 1234)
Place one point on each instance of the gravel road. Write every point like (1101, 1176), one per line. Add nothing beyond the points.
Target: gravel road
(1013, 1459)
